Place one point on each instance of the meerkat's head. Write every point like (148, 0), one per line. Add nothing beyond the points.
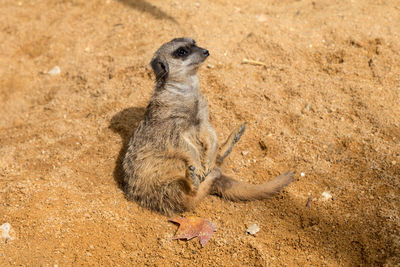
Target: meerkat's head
(178, 59)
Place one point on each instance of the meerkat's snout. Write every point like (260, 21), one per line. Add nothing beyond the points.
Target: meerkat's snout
(190, 53)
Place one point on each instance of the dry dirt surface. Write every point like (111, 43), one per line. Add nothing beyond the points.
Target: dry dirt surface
(323, 100)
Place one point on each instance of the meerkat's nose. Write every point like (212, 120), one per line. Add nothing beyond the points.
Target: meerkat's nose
(206, 53)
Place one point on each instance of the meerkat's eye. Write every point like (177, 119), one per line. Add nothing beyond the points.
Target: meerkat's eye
(182, 52)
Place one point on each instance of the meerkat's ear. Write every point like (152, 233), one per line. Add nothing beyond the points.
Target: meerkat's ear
(160, 67)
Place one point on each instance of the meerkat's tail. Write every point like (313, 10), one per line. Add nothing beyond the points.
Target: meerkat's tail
(231, 189)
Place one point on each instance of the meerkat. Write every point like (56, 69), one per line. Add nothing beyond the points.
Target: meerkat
(173, 158)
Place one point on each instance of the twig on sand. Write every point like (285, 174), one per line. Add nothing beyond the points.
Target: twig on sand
(253, 62)
(309, 201)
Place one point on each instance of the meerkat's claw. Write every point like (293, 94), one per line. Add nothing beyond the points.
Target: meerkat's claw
(196, 174)
(195, 178)
(201, 178)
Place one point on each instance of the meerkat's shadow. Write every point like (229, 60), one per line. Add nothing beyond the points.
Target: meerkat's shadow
(124, 123)
(146, 7)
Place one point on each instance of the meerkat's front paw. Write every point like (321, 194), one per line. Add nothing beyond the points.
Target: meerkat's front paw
(196, 175)
(194, 178)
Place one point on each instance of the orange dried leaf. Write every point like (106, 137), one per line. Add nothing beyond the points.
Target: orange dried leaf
(191, 227)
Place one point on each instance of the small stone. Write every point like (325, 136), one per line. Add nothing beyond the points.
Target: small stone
(253, 229)
(261, 18)
(5, 231)
(326, 195)
(210, 66)
(302, 174)
(244, 153)
(262, 144)
(55, 71)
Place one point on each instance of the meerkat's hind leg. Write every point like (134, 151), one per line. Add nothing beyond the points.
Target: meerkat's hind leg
(232, 139)
(204, 188)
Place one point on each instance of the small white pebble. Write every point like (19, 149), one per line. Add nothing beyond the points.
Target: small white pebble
(253, 229)
(302, 174)
(261, 18)
(326, 195)
(55, 71)
(5, 230)
(244, 153)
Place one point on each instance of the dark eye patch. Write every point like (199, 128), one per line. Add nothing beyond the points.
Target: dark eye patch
(181, 52)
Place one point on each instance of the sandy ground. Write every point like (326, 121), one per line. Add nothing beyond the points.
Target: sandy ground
(325, 103)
